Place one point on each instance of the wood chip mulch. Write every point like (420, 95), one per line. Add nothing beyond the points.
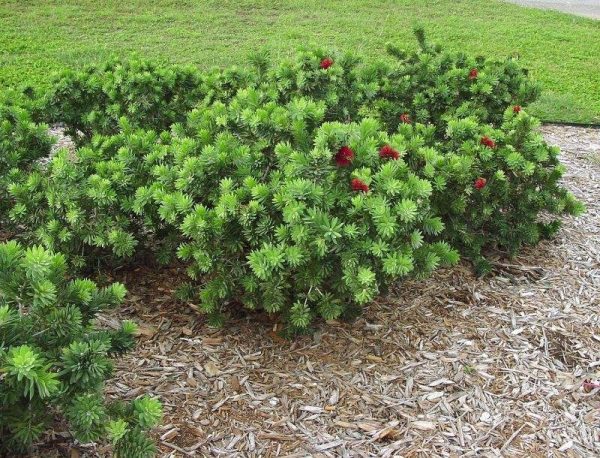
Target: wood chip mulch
(450, 366)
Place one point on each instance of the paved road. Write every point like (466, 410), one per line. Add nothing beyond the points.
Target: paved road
(589, 8)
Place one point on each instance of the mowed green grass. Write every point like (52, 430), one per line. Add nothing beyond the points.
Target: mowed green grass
(38, 37)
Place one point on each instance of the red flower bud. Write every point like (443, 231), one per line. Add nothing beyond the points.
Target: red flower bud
(387, 151)
(517, 109)
(480, 183)
(359, 185)
(344, 156)
(473, 74)
(487, 141)
(326, 63)
(405, 118)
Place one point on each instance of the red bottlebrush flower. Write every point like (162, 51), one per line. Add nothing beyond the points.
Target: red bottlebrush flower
(473, 74)
(480, 183)
(359, 185)
(589, 386)
(326, 63)
(487, 141)
(387, 151)
(344, 156)
(405, 118)
(517, 109)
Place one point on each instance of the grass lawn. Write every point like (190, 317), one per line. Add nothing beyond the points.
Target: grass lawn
(38, 37)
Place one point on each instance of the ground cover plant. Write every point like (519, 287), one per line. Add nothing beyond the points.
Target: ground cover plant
(54, 360)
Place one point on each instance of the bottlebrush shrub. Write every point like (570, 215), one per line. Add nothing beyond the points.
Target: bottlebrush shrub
(498, 188)
(336, 79)
(301, 234)
(149, 95)
(430, 84)
(53, 358)
(22, 143)
(81, 205)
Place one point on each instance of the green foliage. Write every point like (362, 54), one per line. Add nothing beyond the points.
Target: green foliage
(54, 359)
(342, 86)
(303, 187)
(505, 195)
(273, 222)
(81, 204)
(22, 143)
(431, 84)
(92, 101)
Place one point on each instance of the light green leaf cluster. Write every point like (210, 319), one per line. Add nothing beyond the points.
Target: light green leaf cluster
(52, 356)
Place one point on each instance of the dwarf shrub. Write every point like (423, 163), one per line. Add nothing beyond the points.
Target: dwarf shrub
(220, 140)
(93, 100)
(307, 231)
(430, 84)
(53, 359)
(498, 188)
(235, 167)
(427, 85)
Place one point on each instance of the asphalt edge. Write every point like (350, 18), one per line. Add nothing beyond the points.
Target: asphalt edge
(571, 124)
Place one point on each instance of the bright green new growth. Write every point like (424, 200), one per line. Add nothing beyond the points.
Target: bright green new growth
(54, 359)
